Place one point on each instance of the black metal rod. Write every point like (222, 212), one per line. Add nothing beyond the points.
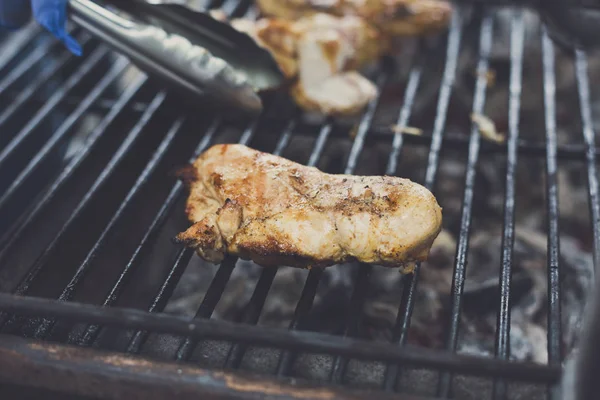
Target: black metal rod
(400, 329)
(162, 297)
(456, 140)
(45, 326)
(114, 72)
(554, 306)
(207, 307)
(305, 303)
(502, 342)
(452, 140)
(365, 125)
(409, 288)
(12, 235)
(583, 85)
(410, 93)
(320, 143)
(252, 313)
(462, 249)
(354, 315)
(17, 43)
(33, 87)
(361, 285)
(36, 55)
(51, 104)
(263, 336)
(120, 154)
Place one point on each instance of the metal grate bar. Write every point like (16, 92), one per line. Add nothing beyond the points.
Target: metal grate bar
(324, 134)
(554, 317)
(460, 265)
(29, 61)
(51, 104)
(38, 54)
(67, 294)
(401, 326)
(508, 236)
(17, 42)
(583, 86)
(252, 314)
(144, 247)
(207, 307)
(162, 297)
(378, 132)
(454, 37)
(353, 317)
(185, 254)
(409, 288)
(127, 144)
(358, 297)
(457, 141)
(307, 298)
(28, 92)
(285, 139)
(115, 71)
(97, 133)
(127, 318)
(414, 79)
(364, 126)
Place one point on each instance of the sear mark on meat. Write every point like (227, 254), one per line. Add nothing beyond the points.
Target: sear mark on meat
(273, 211)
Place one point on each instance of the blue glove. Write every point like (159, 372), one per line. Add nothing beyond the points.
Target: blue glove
(51, 14)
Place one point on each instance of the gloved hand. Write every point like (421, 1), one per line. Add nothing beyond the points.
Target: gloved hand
(51, 14)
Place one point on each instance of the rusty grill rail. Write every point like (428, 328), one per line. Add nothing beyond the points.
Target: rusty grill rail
(137, 135)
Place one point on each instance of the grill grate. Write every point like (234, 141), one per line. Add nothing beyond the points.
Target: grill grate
(84, 216)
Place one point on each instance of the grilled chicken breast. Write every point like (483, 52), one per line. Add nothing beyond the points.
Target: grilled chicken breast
(394, 17)
(276, 212)
(320, 54)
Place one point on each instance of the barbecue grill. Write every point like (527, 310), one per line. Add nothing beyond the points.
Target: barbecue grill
(89, 205)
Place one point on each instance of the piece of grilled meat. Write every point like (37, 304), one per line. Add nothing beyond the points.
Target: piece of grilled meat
(319, 54)
(276, 212)
(394, 17)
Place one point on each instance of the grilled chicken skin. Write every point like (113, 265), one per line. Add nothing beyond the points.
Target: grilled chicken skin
(276, 212)
(394, 17)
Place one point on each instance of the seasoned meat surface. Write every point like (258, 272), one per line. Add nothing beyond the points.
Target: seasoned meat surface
(276, 212)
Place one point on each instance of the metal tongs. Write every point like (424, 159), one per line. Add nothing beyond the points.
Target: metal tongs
(187, 49)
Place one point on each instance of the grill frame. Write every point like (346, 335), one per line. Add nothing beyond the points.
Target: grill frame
(396, 353)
